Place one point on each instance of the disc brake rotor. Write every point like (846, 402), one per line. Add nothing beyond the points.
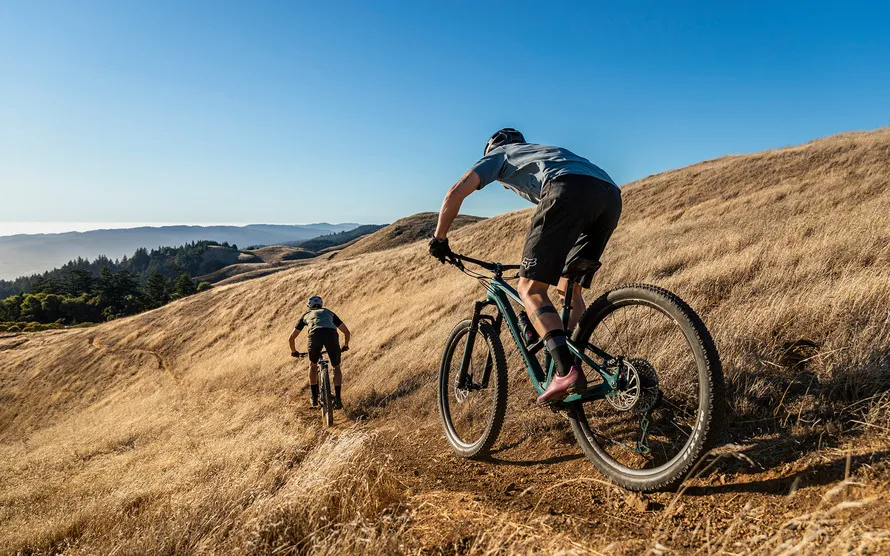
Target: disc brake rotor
(460, 394)
(639, 387)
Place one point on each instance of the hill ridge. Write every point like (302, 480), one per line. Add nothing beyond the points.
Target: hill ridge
(784, 255)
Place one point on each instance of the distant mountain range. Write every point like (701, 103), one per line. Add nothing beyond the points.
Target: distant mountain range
(26, 254)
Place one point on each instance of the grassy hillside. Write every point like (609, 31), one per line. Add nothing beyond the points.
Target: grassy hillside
(401, 232)
(340, 239)
(264, 261)
(275, 258)
(185, 429)
(278, 253)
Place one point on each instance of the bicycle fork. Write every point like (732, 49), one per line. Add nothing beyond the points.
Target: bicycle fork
(465, 381)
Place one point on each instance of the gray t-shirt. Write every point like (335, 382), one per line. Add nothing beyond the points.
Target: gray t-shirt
(318, 318)
(526, 167)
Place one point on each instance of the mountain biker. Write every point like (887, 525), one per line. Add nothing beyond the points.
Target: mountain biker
(323, 325)
(578, 209)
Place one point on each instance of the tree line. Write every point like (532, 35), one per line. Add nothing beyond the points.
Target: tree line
(167, 261)
(84, 291)
(332, 240)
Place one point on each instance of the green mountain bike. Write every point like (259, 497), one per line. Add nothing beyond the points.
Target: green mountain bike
(325, 394)
(657, 407)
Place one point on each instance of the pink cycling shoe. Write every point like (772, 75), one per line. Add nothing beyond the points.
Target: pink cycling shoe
(562, 386)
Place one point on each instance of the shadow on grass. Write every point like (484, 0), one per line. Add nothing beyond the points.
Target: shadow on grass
(818, 474)
(373, 403)
(531, 462)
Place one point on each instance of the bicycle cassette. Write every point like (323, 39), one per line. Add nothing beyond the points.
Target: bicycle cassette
(638, 390)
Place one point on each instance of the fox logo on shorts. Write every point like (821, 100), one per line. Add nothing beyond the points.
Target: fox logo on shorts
(528, 263)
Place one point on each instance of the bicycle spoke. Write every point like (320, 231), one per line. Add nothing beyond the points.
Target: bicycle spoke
(469, 404)
(651, 343)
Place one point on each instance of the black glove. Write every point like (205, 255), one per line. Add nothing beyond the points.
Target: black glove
(439, 248)
(344, 348)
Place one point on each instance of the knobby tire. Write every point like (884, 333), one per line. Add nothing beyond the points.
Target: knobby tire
(710, 411)
(487, 336)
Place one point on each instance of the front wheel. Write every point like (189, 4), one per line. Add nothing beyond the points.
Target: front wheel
(668, 408)
(472, 408)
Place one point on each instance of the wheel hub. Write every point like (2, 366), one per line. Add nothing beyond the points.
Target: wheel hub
(460, 394)
(637, 386)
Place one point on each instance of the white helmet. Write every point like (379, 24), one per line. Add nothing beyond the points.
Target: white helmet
(314, 302)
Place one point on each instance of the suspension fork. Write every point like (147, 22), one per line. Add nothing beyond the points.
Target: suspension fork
(489, 358)
(463, 380)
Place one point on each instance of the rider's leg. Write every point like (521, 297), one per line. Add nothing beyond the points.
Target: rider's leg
(568, 206)
(313, 374)
(314, 348)
(313, 382)
(545, 319)
(332, 344)
(577, 301)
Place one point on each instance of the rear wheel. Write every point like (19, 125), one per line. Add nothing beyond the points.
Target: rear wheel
(668, 409)
(472, 412)
(327, 399)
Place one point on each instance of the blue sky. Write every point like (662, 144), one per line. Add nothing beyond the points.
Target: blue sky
(213, 111)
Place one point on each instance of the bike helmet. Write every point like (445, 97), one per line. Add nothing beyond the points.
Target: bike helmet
(504, 136)
(314, 302)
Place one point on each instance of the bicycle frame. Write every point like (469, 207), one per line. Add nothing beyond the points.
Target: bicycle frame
(499, 294)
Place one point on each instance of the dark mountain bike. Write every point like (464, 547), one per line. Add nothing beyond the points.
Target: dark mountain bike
(657, 407)
(325, 394)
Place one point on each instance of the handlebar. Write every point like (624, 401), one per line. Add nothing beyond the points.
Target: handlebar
(302, 354)
(457, 259)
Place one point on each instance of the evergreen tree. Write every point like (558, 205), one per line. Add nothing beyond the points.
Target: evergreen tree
(140, 260)
(76, 310)
(156, 290)
(119, 293)
(11, 308)
(32, 308)
(51, 304)
(47, 285)
(79, 281)
(183, 287)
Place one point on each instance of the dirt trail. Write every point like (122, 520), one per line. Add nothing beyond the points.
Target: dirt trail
(762, 487)
(162, 363)
(787, 275)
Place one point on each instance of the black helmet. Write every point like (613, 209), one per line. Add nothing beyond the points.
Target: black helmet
(503, 137)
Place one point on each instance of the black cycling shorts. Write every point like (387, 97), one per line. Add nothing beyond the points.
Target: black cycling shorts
(324, 338)
(575, 219)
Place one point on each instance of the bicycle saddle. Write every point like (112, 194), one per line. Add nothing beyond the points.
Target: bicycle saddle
(580, 267)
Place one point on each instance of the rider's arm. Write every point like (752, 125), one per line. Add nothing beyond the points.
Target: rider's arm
(293, 339)
(451, 205)
(345, 331)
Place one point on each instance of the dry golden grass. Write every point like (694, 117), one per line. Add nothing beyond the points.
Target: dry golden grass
(184, 429)
(402, 232)
(278, 253)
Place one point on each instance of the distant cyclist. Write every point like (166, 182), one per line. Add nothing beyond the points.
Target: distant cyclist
(323, 325)
(578, 209)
